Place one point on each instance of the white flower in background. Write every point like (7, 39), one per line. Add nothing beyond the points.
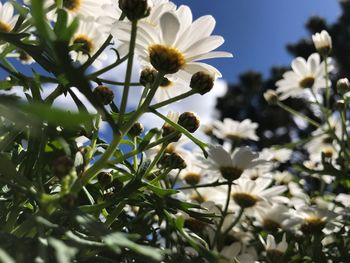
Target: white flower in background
(255, 197)
(274, 218)
(193, 174)
(7, 18)
(304, 75)
(281, 155)
(86, 9)
(230, 166)
(313, 219)
(273, 250)
(324, 142)
(89, 35)
(344, 199)
(237, 252)
(177, 43)
(322, 42)
(283, 177)
(235, 130)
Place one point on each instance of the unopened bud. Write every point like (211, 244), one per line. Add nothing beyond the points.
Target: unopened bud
(147, 76)
(271, 97)
(340, 105)
(343, 86)
(134, 9)
(189, 120)
(62, 166)
(68, 201)
(323, 43)
(173, 161)
(104, 179)
(136, 129)
(202, 82)
(104, 94)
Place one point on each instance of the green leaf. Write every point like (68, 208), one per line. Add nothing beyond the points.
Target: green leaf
(116, 240)
(181, 129)
(63, 253)
(5, 258)
(148, 137)
(159, 191)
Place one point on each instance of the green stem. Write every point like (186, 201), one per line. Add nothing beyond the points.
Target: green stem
(224, 214)
(155, 161)
(174, 99)
(328, 89)
(292, 111)
(115, 213)
(117, 83)
(108, 68)
(100, 163)
(128, 71)
(241, 211)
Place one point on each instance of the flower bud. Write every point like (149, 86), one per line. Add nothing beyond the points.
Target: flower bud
(173, 161)
(322, 42)
(136, 129)
(147, 76)
(202, 82)
(104, 94)
(62, 166)
(271, 97)
(189, 120)
(104, 179)
(168, 129)
(68, 201)
(134, 9)
(340, 105)
(343, 86)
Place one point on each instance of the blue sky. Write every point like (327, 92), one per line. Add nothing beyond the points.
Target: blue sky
(256, 31)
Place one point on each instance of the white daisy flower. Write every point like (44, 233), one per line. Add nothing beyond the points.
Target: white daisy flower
(274, 218)
(304, 75)
(273, 250)
(237, 252)
(313, 219)
(91, 38)
(256, 196)
(230, 166)
(171, 87)
(322, 42)
(235, 130)
(7, 18)
(193, 174)
(281, 155)
(177, 43)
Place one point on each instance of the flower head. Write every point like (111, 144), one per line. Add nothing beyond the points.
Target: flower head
(304, 75)
(173, 43)
(236, 130)
(231, 166)
(7, 18)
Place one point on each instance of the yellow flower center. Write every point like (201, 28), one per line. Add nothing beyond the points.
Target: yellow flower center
(230, 173)
(307, 82)
(275, 255)
(72, 5)
(199, 198)
(5, 27)
(87, 46)
(233, 137)
(166, 59)
(192, 178)
(245, 200)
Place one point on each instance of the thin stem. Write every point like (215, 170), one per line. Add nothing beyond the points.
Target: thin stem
(155, 161)
(117, 83)
(100, 163)
(328, 89)
(128, 71)
(114, 214)
(292, 111)
(108, 68)
(174, 99)
(224, 214)
(240, 213)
